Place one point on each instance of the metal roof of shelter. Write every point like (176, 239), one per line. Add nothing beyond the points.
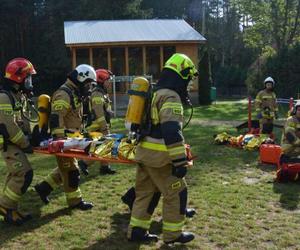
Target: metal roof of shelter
(124, 31)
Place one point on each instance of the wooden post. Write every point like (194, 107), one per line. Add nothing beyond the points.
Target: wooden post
(161, 50)
(109, 59)
(249, 114)
(126, 69)
(91, 56)
(144, 60)
(73, 51)
(126, 62)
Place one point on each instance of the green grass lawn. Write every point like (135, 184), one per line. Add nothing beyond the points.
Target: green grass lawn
(238, 204)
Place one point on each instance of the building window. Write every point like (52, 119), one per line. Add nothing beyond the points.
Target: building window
(153, 61)
(118, 61)
(118, 66)
(135, 57)
(82, 56)
(100, 58)
(168, 52)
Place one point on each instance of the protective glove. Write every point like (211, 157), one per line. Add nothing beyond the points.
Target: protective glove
(28, 150)
(259, 116)
(38, 136)
(179, 171)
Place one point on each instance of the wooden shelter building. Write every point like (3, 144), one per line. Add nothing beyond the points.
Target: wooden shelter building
(131, 47)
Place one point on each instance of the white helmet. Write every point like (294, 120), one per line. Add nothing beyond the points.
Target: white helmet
(269, 79)
(85, 72)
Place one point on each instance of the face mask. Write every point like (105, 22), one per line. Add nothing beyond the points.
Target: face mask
(28, 83)
(85, 89)
(190, 86)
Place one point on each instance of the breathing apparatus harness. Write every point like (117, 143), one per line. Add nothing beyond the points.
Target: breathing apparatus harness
(138, 117)
(25, 102)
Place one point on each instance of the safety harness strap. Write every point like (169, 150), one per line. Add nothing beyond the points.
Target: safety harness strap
(70, 93)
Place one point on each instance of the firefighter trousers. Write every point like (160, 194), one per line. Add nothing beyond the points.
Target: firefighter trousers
(266, 125)
(66, 175)
(19, 177)
(149, 182)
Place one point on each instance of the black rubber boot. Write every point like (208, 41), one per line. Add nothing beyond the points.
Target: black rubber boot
(185, 237)
(190, 212)
(43, 189)
(83, 205)
(129, 198)
(104, 170)
(141, 235)
(83, 167)
(13, 217)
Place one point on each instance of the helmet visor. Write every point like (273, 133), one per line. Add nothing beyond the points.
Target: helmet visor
(28, 82)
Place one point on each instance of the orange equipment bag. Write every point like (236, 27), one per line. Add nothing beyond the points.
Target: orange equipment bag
(270, 153)
(288, 172)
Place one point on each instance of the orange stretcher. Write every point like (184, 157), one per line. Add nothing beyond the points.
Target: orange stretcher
(80, 154)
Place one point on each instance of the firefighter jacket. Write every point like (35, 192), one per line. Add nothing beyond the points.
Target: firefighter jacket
(100, 109)
(265, 103)
(165, 144)
(12, 125)
(291, 137)
(65, 110)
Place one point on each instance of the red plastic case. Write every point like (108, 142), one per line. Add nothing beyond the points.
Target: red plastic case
(270, 153)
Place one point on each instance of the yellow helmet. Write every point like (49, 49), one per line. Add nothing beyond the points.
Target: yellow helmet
(182, 65)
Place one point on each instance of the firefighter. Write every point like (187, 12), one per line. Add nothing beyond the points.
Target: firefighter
(98, 115)
(162, 157)
(290, 143)
(14, 134)
(66, 115)
(266, 106)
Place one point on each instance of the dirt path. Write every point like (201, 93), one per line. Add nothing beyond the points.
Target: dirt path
(228, 123)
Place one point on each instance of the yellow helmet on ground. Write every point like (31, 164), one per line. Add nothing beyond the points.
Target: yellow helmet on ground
(182, 65)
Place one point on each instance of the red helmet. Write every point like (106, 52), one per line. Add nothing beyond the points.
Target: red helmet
(103, 75)
(18, 69)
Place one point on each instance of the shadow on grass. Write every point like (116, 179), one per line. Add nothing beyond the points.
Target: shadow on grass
(14, 231)
(289, 194)
(118, 238)
(266, 167)
(32, 204)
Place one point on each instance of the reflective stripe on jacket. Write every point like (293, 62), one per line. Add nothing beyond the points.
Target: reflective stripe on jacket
(167, 116)
(10, 119)
(67, 116)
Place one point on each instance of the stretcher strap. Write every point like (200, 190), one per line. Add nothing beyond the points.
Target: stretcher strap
(115, 148)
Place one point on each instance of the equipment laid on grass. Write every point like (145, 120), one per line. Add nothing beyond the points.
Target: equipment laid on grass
(247, 141)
